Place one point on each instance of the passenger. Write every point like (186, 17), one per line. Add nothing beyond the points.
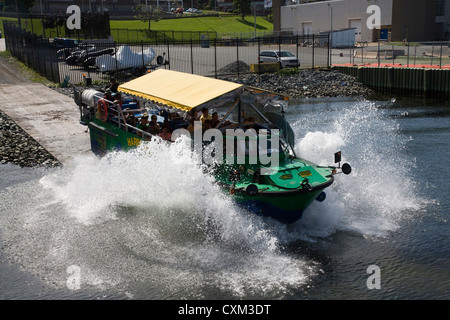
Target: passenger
(143, 124)
(165, 134)
(196, 116)
(205, 115)
(113, 85)
(215, 120)
(129, 117)
(118, 99)
(154, 127)
(108, 95)
(206, 125)
(190, 127)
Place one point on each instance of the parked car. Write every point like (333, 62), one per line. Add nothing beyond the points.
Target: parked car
(193, 10)
(62, 43)
(285, 58)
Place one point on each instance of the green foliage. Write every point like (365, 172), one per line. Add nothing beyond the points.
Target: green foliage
(149, 13)
(288, 71)
(22, 5)
(243, 7)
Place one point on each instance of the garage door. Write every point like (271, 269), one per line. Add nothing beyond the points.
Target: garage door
(356, 24)
(307, 28)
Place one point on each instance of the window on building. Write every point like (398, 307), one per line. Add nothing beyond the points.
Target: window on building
(440, 8)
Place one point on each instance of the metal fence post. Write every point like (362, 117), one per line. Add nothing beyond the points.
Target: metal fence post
(259, 50)
(115, 54)
(192, 58)
(328, 51)
(378, 54)
(237, 55)
(142, 53)
(215, 57)
(432, 54)
(313, 52)
(407, 61)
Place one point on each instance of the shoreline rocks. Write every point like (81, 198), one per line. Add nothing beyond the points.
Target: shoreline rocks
(19, 148)
(306, 84)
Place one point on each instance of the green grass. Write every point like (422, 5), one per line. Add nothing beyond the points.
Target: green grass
(225, 24)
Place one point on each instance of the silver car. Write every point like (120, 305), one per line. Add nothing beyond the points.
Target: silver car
(284, 57)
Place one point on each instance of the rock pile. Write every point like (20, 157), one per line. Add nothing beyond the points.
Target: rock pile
(19, 148)
(234, 68)
(306, 83)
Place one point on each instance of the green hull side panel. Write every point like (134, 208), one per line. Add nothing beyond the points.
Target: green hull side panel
(106, 137)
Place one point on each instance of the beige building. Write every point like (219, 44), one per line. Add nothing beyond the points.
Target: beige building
(414, 20)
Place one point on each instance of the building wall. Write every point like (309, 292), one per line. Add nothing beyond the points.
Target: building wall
(414, 20)
(333, 15)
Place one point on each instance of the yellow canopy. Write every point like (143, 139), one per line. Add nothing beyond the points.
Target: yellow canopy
(177, 89)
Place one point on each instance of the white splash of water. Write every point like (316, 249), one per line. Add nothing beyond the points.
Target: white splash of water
(379, 193)
(150, 215)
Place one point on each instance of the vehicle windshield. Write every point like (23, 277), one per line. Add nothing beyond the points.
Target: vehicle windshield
(285, 54)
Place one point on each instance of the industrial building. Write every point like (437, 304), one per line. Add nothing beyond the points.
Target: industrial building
(400, 20)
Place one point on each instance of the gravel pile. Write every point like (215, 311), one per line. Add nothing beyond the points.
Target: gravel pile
(234, 67)
(307, 83)
(19, 148)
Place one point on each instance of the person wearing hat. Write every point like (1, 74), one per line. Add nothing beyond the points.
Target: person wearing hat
(108, 95)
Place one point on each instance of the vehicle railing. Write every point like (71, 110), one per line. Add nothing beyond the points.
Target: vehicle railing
(121, 120)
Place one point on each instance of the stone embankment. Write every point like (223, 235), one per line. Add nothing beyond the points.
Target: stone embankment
(19, 148)
(307, 84)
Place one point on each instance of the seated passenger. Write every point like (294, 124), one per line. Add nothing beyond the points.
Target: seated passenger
(154, 127)
(165, 134)
(143, 125)
(190, 127)
(108, 95)
(129, 117)
(205, 115)
(206, 125)
(215, 120)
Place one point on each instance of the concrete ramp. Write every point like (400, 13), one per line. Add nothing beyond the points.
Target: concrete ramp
(51, 118)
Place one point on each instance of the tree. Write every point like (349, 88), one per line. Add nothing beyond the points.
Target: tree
(21, 5)
(148, 13)
(243, 7)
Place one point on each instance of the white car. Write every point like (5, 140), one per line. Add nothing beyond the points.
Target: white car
(284, 57)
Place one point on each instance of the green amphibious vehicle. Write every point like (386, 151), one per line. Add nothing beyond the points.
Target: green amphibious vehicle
(249, 149)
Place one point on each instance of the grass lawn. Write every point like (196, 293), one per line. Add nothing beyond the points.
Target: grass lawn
(222, 25)
(227, 24)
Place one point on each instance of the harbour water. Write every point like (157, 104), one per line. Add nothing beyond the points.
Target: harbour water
(143, 225)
